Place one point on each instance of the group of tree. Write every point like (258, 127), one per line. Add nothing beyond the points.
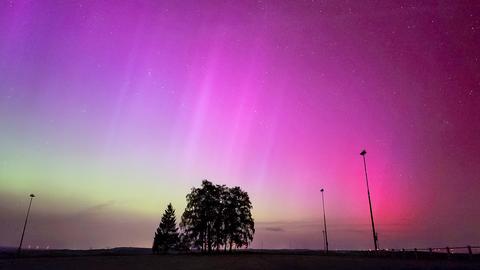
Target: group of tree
(216, 217)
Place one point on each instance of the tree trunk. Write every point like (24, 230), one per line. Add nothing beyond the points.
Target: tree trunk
(209, 242)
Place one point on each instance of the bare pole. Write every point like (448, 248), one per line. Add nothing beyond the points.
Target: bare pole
(375, 237)
(25, 224)
(324, 222)
(323, 235)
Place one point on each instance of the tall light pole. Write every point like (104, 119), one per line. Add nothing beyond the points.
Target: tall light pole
(25, 224)
(375, 237)
(324, 222)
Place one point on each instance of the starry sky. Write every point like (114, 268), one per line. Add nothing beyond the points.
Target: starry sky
(109, 110)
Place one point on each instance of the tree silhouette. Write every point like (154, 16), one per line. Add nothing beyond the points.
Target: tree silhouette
(239, 224)
(166, 236)
(200, 214)
(184, 243)
(217, 216)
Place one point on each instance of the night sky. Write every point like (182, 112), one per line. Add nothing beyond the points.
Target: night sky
(109, 110)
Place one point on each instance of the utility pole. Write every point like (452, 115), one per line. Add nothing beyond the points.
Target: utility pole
(25, 224)
(324, 222)
(375, 237)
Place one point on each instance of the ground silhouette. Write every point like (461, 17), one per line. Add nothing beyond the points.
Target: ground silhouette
(234, 261)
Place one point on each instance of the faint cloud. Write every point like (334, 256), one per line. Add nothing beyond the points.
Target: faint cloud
(274, 229)
(98, 207)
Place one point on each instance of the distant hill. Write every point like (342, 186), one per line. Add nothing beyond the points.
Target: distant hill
(120, 251)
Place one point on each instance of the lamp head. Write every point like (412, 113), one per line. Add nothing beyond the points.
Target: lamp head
(321, 190)
(32, 195)
(363, 153)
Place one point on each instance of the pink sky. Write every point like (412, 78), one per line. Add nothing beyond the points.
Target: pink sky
(111, 110)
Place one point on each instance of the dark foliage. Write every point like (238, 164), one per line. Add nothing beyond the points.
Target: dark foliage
(166, 236)
(218, 217)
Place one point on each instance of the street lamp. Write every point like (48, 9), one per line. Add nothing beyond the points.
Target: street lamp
(324, 222)
(25, 225)
(375, 237)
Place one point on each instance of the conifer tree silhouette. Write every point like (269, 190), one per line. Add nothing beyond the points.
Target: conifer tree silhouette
(166, 236)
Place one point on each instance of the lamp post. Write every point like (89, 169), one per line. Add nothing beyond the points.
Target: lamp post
(324, 222)
(375, 237)
(25, 224)
(323, 235)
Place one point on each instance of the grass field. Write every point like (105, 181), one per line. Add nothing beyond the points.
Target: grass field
(230, 262)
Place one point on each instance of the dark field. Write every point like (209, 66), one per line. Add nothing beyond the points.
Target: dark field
(231, 262)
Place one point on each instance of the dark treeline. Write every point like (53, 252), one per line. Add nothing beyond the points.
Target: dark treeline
(216, 218)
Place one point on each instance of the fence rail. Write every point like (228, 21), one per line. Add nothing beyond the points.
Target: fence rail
(448, 250)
